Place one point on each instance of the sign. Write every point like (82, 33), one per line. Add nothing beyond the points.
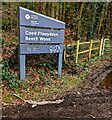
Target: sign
(31, 18)
(35, 49)
(39, 34)
(35, 35)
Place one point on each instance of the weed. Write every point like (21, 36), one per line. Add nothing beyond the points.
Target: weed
(7, 97)
(42, 72)
(9, 77)
(70, 50)
(5, 24)
(44, 81)
(39, 90)
(1, 41)
(94, 60)
(75, 72)
(53, 72)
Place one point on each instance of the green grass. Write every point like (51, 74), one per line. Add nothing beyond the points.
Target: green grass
(8, 97)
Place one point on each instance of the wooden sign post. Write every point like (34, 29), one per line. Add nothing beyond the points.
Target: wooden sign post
(39, 34)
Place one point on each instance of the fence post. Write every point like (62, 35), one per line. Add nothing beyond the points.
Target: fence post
(90, 48)
(101, 44)
(60, 64)
(22, 67)
(64, 54)
(77, 50)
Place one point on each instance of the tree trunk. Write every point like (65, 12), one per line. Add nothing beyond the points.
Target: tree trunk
(79, 20)
(93, 21)
(64, 7)
(53, 9)
(101, 19)
(57, 9)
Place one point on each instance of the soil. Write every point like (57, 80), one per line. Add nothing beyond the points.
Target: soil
(91, 99)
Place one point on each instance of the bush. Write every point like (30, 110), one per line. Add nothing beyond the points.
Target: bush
(9, 77)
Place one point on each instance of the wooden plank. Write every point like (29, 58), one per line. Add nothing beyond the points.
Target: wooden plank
(83, 59)
(94, 55)
(31, 18)
(101, 44)
(77, 50)
(35, 35)
(85, 51)
(107, 39)
(95, 48)
(96, 41)
(36, 49)
(67, 55)
(90, 48)
(103, 48)
(71, 44)
(84, 43)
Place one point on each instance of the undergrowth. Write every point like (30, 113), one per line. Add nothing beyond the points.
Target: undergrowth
(9, 77)
(43, 82)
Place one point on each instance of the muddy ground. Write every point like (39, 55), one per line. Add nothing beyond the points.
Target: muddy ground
(91, 99)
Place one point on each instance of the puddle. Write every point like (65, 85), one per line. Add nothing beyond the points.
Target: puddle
(107, 82)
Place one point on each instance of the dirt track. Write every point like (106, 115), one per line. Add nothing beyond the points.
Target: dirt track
(88, 101)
